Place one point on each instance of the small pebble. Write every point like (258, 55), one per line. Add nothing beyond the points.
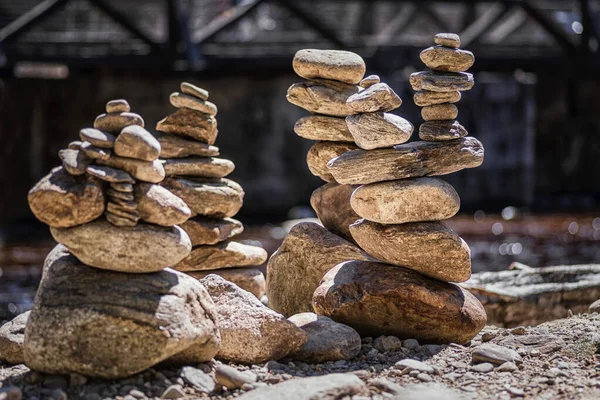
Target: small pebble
(410, 344)
(483, 368)
(534, 353)
(508, 367)
(519, 330)
(424, 377)
(173, 392)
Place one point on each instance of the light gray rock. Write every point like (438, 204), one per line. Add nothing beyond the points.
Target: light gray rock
(321, 153)
(494, 354)
(232, 378)
(136, 142)
(408, 365)
(594, 307)
(157, 205)
(377, 97)
(377, 130)
(206, 167)
(322, 127)
(249, 279)
(12, 336)
(323, 97)
(337, 65)
(223, 255)
(199, 379)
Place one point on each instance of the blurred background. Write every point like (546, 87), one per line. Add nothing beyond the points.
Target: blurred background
(535, 107)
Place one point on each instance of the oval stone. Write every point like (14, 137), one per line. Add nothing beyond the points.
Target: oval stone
(444, 59)
(377, 130)
(321, 127)
(157, 205)
(377, 97)
(321, 153)
(439, 112)
(337, 65)
(441, 81)
(222, 255)
(322, 97)
(424, 98)
(451, 40)
(136, 142)
(250, 279)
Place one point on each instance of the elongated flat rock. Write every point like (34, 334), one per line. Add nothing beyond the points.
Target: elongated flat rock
(378, 299)
(207, 230)
(437, 131)
(173, 146)
(250, 279)
(406, 200)
(369, 81)
(136, 142)
(185, 100)
(424, 98)
(98, 138)
(321, 127)
(331, 202)
(74, 161)
(218, 198)
(451, 40)
(190, 123)
(430, 248)
(407, 160)
(94, 152)
(147, 171)
(319, 155)
(206, 167)
(296, 268)
(441, 81)
(441, 58)
(109, 174)
(378, 130)
(337, 65)
(157, 205)
(439, 112)
(223, 255)
(117, 106)
(140, 249)
(322, 97)
(194, 90)
(114, 122)
(377, 97)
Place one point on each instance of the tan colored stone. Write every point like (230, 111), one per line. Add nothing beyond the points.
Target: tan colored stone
(63, 200)
(337, 65)
(95, 153)
(445, 59)
(378, 299)
(112, 193)
(441, 81)
(74, 161)
(127, 205)
(98, 138)
(369, 81)
(147, 171)
(439, 112)
(451, 40)
(407, 160)
(140, 249)
(295, 269)
(321, 127)
(223, 255)
(115, 122)
(117, 106)
(219, 198)
(251, 333)
(322, 97)
(12, 336)
(331, 202)
(136, 142)
(119, 220)
(377, 130)
(180, 100)
(190, 123)
(111, 324)
(207, 230)
(117, 213)
(206, 167)
(249, 279)
(436, 131)
(377, 97)
(109, 174)
(406, 200)
(319, 155)
(173, 146)
(122, 187)
(194, 90)
(430, 248)
(157, 205)
(424, 98)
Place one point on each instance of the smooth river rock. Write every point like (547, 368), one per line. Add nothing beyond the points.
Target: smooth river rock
(207, 230)
(369, 81)
(378, 299)
(157, 205)
(430, 248)
(190, 123)
(109, 174)
(424, 98)
(139, 249)
(451, 40)
(331, 202)
(337, 65)
(436, 131)
(136, 142)
(223, 255)
(206, 167)
(441, 81)
(321, 153)
(322, 127)
(63, 200)
(378, 97)
(98, 138)
(406, 200)
(439, 112)
(323, 97)
(194, 90)
(441, 58)
(117, 106)
(407, 160)
(173, 146)
(377, 130)
(249, 279)
(12, 336)
(114, 122)
(146, 171)
(185, 100)
(296, 268)
(74, 161)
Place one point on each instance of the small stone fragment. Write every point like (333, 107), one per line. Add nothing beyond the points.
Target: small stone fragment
(12, 336)
(369, 81)
(249, 279)
(331, 202)
(594, 307)
(117, 106)
(122, 187)
(223, 255)
(507, 367)
(408, 365)
(75, 145)
(199, 379)
(495, 354)
(410, 344)
(436, 131)
(376, 130)
(173, 146)
(451, 40)
(98, 138)
(194, 90)
(206, 167)
(157, 205)
(441, 81)
(74, 161)
(109, 174)
(180, 100)
(424, 98)
(95, 153)
(321, 153)
(387, 343)
(147, 171)
(482, 368)
(136, 142)
(439, 112)
(173, 392)
(206, 230)
(445, 59)
(321, 127)
(115, 122)
(322, 97)
(190, 123)
(337, 65)
(231, 378)
(378, 97)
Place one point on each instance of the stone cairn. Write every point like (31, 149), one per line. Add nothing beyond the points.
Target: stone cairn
(198, 176)
(107, 305)
(380, 197)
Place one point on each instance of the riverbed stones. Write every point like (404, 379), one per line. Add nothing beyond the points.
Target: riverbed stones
(337, 65)
(12, 336)
(323, 97)
(436, 131)
(321, 127)
(439, 112)
(136, 142)
(377, 97)
(331, 202)
(440, 58)
(206, 167)
(377, 130)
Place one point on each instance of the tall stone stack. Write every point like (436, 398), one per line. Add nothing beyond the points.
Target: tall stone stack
(107, 284)
(198, 176)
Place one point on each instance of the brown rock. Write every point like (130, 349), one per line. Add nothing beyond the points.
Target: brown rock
(95, 153)
(12, 336)
(109, 174)
(117, 106)
(369, 81)
(451, 40)
(114, 122)
(157, 205)
(376, 130)
(424, 98)
(206, 167)
(173, 146)
(136, 142)
(436, 131)
(119, 195)
(430, 248)
(219, 198)
(441, 81)
(295, 269)
(75, 145)
(445, 59)
(406, 200)
(127, 205)
(63, 200)
(74, 161)
(319, 155)
(337, 65)
(124, 219)
(322, 97)
(206, 230)
(331, 202)
(147, 171)
(194, 90)
(122, 187)
(321, 127)
(180, 100)
(190, 123)
(407, 160)
(223, 255)
(98, 138)
(378, 97)
(378, 299)
(439, 112)
(251, 333)
(249, 279)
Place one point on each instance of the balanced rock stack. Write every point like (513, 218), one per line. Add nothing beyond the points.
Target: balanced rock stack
(106, 286)
(198, 176)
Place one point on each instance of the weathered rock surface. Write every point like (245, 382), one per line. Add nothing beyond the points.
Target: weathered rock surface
(406, 200)
(63, 200)
(184, 100)
(441, 81)
(407, 160)
(424, 98)
(109, 174)
(251, 333)
(207, 230)
(327, 340)
(331, 202)
(117, 106)
(369, 81)
(114, 122)
(147, 171)
(194, 90)
(378, 299)
(207, 167)
(231, 378)
(322, 97)
(139, 249)
(94, 152)
(377, 97)
(249, 279)
(98, 138)
(295, 269)
(319, 155)
(451, 40)
(223, 255)
(173, 146)
(594, 307)
(446, 59)
(74, 161)
(430, 248)
(321, 127)
(337, 65)
(75, 145)
(190, 123)
(12, 336)
(495, 354)
(157, 205)
(376, 130)
(78, 310)
(439, 112)
(210, 197)
(136, 142)
(435, 131)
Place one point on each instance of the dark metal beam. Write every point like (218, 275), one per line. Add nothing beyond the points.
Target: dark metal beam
(483, 24)
(179, 34)
(590, 27)
(28, 20)
(549, 26)
(224, 20)
(424, 7)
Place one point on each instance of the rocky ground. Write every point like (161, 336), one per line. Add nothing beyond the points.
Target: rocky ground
(555, 360)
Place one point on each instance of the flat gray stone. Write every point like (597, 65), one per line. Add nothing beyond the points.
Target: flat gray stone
(441, 81)
(494, 354)
(321, 127)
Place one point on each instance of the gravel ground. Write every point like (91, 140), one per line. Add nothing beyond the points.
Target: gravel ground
(555, 360)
